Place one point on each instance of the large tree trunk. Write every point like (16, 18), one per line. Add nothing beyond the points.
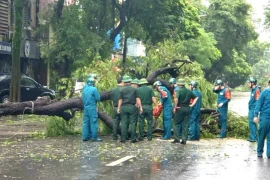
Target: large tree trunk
(15, 90)
(67, 108)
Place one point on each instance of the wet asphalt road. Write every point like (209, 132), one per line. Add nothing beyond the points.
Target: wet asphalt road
(69, 158)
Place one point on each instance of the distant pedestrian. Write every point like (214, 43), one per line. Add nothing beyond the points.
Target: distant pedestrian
(224, 97)
(195, 113)
(90, 96)
(115, 95)
(254, 96)
(147, 97)
(263, 106)
(182, 110)
(166, 101)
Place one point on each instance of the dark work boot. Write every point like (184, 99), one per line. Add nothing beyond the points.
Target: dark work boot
(183, 142)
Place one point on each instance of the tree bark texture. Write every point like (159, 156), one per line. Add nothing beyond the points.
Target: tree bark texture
(15, 90)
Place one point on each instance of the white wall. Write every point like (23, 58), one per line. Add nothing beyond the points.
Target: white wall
(135, 48)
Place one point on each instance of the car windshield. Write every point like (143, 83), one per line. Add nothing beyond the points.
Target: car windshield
(2, 77)
(28, 82)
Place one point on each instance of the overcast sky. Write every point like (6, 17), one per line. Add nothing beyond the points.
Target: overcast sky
(258, 16)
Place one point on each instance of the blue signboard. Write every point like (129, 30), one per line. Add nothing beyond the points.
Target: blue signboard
(5, 48)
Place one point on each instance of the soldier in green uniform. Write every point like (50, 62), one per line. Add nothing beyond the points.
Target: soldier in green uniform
(147, 97)
(115, 95)
(127, 109)
(135, 83)
(182, 110)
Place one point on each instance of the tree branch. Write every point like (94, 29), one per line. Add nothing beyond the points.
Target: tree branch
(123, 9)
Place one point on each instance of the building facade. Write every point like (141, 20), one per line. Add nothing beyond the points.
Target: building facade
(31, 63)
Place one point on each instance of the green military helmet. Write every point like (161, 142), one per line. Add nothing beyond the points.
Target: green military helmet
(193, 83)
(172, 81)
(143, 81)
(219, 82)
(126, 79)
(252, 79)
(180, 82)
(157, 83)
(135, 81)
(93, 75)
(90, 81)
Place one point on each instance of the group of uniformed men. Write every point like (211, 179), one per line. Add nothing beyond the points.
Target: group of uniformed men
(133, 100)
(259, 105)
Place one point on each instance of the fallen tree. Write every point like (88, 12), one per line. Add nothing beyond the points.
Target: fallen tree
(66, 109)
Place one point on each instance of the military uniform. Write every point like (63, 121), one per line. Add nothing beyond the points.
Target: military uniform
(129, 112)
(166, 101)
(115, 95)
(194, 120)
(145, 93)
(263, 106)
(181, 116)
(224, 97)
(254, 96)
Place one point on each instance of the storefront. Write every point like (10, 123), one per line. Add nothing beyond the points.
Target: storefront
(31, 63)
(5, 56)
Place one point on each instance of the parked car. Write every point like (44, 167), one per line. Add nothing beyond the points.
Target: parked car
(30, 89)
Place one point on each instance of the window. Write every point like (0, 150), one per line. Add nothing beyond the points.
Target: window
(28, 83)
(2, 77)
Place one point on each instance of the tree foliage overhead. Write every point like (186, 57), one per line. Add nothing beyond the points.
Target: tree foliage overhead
(85, 32)
(261, 69)
(238, 71)
(230, 22)
(267, 15)
(70, 40)
(202, 49)
(167, 19)
(81, 32)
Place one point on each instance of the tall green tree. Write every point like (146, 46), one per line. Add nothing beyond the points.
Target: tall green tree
(72, 44)
(255, 51)
(230, 22)
(202, 49)
(15, 90)
(238, 71)
(82, 29)
(261, 71)
(159, 19)
(267, 15)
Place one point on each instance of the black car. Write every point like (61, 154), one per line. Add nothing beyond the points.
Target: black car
(30, 89)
